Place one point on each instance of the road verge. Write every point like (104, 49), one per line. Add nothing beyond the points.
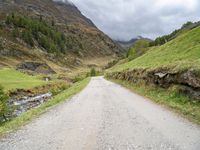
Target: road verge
(34, 113)
(176, 102)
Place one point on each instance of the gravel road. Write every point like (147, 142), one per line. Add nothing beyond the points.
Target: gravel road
(106, 116)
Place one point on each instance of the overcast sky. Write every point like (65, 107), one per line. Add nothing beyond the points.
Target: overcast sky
(125, 19)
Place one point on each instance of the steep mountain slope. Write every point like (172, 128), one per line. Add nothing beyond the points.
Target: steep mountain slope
(166, 38)
(180, 53)
(80, 39)
(174, 63)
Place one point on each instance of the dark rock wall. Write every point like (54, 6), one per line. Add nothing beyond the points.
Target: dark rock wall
(188, 81)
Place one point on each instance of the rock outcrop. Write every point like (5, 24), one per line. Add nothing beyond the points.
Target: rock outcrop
(188, 81)
(36, 67)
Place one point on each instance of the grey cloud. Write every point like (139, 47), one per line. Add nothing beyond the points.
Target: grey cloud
(125, 19)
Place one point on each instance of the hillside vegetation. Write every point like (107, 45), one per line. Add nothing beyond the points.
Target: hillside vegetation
(36, 32)
(180, 53)
(168, 74)
(53, 33)
(166, 38)
(139, 48)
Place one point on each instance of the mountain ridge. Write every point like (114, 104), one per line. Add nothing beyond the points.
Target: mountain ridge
(126, 44)
(84, 41)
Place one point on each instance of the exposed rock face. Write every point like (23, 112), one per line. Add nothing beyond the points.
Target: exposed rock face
(188, 81)
(190, 78)
(186, 90)
(36, 67)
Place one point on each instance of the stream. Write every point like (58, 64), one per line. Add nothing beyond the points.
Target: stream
(27, 103)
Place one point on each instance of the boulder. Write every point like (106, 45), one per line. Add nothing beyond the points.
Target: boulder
(36, 67)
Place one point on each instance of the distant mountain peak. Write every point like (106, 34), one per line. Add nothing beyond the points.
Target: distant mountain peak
(139, 37)
(128, 44)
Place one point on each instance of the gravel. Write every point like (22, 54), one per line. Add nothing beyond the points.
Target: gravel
(106, 116)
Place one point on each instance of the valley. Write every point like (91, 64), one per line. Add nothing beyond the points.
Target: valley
(47, 46)
(55, 64)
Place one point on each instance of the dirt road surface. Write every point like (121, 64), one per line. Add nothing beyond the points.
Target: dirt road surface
(106, 116)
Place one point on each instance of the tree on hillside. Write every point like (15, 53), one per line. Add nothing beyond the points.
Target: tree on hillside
(53, 23)
(38, 31)
(15, 32)
(8, 20)
(28, 37)
(41, 18)
(93, 72)
(1, 45)
(187, 24)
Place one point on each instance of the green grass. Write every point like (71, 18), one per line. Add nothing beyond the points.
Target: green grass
(180, 54)
(139, 48)
(170, 98)
(11, 79)
(28, 116)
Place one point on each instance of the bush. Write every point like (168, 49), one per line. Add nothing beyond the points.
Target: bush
(78, 78)
(93, 72)
(8, 20)
(15, 33)
(28, 37)
(4, 108)
(59, 88)
(111, 64)
(1, 45)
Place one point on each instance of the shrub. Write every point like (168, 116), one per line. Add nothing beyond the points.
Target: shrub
(28, 37)
(15, 33)
(93, 72)
(1, 45)
(78, 78)
(4, 108)
(43, 41)
(8, 20)
(59, 88)
(111, 64)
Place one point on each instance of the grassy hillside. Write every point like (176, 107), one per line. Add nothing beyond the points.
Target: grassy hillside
(11, 79)
(139, 48)
(167, 74)
(166, 38)
(179, 54)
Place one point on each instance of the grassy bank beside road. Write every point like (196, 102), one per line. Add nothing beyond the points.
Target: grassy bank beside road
(181, 104)
(28, 116)
(179, 54)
